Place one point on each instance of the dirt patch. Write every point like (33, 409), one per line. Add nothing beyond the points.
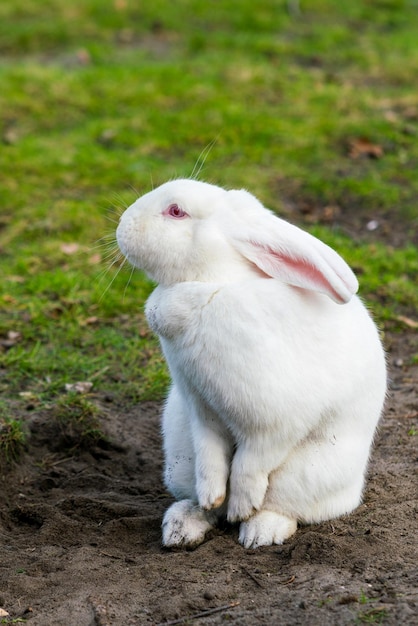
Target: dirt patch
(81, 543)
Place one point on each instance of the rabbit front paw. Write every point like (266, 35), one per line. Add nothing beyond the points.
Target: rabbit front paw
(246, 496)
(266, 528)
(211, 491)
(185, 525)
(209, 500)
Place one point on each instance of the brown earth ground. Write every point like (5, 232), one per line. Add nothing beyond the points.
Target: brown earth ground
(80, 540)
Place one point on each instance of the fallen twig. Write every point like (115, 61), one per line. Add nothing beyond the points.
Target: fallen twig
(182, 620)
(254, 578)
(289, 581)
(111, 556)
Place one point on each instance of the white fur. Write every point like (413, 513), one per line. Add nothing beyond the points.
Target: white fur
(277, 389)
(186, 524)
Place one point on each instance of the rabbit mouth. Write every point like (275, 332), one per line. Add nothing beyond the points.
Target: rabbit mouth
(132, 258)
(126, 237)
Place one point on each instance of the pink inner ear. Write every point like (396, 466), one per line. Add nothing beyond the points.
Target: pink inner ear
(296, 271)
(314, 278)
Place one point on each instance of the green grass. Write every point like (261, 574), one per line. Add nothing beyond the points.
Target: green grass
(372, 615)
(102, 99)
(74, 424)
(12, 437)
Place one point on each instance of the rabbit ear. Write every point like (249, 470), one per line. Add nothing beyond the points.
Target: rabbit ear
(286, 252)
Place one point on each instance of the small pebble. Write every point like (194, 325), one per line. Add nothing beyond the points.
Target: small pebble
(372, 225)
(209, 595)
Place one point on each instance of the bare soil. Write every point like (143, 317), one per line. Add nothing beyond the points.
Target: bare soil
(80, 540)
(81, 544)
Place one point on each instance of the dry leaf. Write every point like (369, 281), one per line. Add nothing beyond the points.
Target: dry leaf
(83, 56)
(407, 321)
(13, 337)
(4, 613)
(9, 299)
(391, 116)
(79, 387)
(362, 147)
(70, 248)
(15, 279)
(95, 259)
(92, 320)
(10, 137)
(89, 320)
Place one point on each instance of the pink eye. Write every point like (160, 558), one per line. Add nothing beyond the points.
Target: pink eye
(175, 211)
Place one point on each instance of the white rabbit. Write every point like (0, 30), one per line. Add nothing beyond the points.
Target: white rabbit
(278, 372)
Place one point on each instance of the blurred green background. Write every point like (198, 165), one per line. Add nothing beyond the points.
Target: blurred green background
(310, 105)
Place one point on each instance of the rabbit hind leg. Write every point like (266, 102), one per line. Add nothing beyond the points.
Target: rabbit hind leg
(319, 481)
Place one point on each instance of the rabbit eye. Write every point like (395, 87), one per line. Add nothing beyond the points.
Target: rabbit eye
(175, 211)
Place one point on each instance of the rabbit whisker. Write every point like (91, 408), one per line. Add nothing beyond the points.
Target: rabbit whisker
(115, 254)
(114, 277)
(136, 192)
(118, 198)
(129, 280)
(106, 240)
(106, 249)
(201, 159)
(112, 253)
(112, 219)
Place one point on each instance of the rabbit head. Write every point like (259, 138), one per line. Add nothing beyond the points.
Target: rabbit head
(186, 230)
